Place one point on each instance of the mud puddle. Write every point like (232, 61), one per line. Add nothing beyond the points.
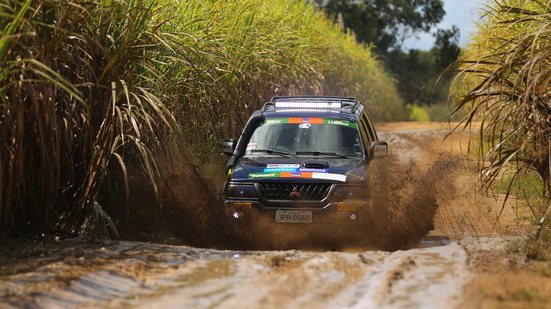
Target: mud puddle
(156, 276)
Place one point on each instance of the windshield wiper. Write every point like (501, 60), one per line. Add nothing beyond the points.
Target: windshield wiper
(318, 153)
(271, 151)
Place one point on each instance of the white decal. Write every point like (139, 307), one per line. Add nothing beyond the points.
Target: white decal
(329, 176)
(283, 166)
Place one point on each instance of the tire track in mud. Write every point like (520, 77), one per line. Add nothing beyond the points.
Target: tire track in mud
(184, 277)
(414, 278)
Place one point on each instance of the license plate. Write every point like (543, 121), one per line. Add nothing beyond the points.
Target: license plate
(293, 216)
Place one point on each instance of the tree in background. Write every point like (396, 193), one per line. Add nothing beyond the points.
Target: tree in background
(446, 47)
(421, 76)
(386, 23)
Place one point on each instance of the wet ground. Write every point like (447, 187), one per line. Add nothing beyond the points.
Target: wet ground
(142, 275)
(132, 274)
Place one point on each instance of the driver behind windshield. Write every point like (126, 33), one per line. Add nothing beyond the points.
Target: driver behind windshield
(302, 138)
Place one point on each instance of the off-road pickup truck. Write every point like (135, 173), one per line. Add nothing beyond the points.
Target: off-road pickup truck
(302, 160)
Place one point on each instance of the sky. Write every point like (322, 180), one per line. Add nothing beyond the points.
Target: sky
(461, 13)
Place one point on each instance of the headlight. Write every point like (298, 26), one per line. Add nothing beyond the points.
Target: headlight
(357, 174)
(241, 190)
(349, 192)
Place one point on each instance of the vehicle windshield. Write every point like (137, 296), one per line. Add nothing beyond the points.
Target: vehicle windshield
(305, 136)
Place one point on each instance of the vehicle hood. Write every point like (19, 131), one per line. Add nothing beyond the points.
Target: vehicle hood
(300, 169)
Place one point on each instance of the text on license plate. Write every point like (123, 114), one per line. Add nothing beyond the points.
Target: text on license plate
(293, 216)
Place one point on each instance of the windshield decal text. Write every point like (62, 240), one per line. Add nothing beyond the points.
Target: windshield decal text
(306, 122)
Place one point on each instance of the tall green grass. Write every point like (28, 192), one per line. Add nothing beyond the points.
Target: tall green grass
(240, 53)
(89, 90)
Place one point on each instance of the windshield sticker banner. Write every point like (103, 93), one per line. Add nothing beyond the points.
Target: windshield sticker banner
(307, 120)
(308, 175)
(340, 123)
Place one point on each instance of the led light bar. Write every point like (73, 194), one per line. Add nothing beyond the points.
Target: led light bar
(315, 105)
(307, 110)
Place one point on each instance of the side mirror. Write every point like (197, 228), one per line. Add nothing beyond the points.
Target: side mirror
(228, 144)
(379, 149)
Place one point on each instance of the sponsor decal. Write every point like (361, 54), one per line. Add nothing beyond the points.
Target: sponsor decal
(294, 175)
(263, 175)
(306, 120)
(277, 120)
(287, 169)
(283, 166)
(317, 170)
(329, 176)
(305, 125)
(341, 123)
(271, 170)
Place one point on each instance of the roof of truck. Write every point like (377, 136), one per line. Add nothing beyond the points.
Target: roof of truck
(344, 108)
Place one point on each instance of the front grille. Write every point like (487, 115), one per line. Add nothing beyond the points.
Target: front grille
(294, 192)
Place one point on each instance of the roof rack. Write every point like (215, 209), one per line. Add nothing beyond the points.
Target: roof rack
(311, 102)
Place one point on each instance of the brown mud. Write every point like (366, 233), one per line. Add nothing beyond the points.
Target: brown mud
(427, 183)
(128, 274)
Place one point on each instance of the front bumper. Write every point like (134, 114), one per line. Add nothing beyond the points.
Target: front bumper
(245, 201)
(326, 212)
(240, 211)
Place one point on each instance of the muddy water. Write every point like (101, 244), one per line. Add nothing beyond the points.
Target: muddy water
(141, 275)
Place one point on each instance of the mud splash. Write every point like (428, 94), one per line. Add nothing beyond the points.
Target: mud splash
(404, 192)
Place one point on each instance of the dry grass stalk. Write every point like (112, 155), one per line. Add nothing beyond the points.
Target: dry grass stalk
(507, 73)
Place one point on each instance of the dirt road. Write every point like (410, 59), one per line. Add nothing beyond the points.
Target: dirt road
(158, 276)
(131, 274)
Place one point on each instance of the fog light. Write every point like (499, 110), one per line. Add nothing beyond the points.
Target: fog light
(353, 217)
(236, 215)
(346, 207)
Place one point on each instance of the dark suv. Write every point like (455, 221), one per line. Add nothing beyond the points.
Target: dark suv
(301, 159)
